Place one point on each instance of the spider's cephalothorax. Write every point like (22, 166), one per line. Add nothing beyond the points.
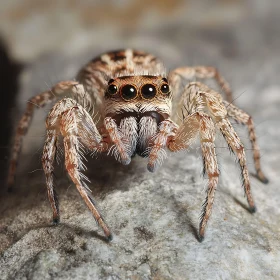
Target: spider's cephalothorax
(134, 97)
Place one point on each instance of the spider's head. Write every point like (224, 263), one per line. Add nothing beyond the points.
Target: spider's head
(139, 94)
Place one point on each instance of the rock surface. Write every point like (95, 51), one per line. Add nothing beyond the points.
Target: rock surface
(154, 217)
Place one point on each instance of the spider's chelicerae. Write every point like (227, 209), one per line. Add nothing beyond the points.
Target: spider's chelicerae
(134, 97)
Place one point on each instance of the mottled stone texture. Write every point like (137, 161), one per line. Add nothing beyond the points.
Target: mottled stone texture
(154, 217)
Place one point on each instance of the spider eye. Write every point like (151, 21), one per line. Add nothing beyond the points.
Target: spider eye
(165, 88)
(148, 91)
(128, 92)
(112, 89)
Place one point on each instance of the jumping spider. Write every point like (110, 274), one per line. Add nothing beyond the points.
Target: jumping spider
(134, 97)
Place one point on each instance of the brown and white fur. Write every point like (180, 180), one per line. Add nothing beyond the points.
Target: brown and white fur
(134, 96)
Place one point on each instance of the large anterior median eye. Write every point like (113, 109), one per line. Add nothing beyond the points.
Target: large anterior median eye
(148, 91)
(128, 92)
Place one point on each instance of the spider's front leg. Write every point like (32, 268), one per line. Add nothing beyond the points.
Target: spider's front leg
(74, 123)
(180, 139)
(65, 88)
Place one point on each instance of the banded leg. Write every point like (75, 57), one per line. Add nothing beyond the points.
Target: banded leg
(40, 100)
(218, 110)
(202, 72)
(77, 128)
(243, 118)
(235, 144)
(48, 157)
(202, 124)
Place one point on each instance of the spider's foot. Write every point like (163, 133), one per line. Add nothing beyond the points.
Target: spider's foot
(200, 238)
(126, 160)
(151, 167)
(110, 237)
(253, 209)
(56, 221)
(262, 178)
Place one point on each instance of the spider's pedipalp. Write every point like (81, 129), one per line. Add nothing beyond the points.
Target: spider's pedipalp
(128, 130)
(147, 129)
(121, 150)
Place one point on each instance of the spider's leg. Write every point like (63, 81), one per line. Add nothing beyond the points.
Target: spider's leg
(201, 72)
(192, 125)
(242, 117)
(40, 100)
(238, 148)
(77, 128)
(214, 102)
(48, 156)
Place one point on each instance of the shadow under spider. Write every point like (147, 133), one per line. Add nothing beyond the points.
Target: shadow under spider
(77, 230)
(182, 212)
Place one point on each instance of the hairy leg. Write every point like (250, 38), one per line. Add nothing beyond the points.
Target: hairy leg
(49, 152)
(78, 129)
(218, 110)
(242, 117)
(202, 72)
(202, 124)
(38, 101)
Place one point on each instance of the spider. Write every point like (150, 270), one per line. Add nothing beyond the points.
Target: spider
(134, 97)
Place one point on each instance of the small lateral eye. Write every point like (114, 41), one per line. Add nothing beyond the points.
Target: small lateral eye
(112, 89)
(128, 92)
(165, 80)
(165, 88)
(148, 91)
